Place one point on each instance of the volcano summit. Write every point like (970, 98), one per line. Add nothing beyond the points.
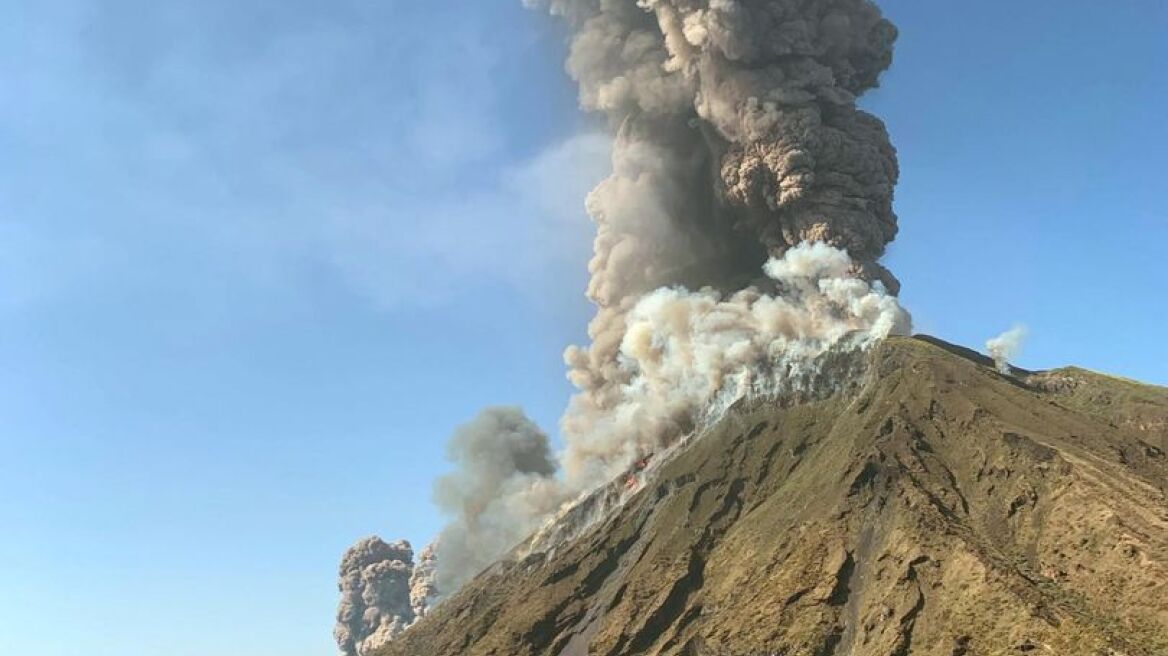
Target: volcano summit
(936, 508)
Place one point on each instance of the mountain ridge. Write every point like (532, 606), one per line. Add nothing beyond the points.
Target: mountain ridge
(939, 507)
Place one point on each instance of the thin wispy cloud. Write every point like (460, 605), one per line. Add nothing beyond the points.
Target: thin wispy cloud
(185, 144)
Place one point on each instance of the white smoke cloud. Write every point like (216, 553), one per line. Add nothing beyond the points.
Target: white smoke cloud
(1005, 347)
(684, 352)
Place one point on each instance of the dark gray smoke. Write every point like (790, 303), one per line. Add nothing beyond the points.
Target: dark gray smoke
(747, 109)
(502, 486)
(375, 595)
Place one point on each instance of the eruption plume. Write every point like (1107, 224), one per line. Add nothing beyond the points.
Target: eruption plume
(738, 140)
(737, 242)
(1005, 347)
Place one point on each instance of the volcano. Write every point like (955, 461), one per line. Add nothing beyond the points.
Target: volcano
(935, 507)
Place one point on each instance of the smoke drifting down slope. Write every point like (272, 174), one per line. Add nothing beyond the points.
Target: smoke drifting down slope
(737, 241)
(1004, 347)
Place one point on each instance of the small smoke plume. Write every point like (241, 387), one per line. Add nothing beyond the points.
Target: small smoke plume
(375, 595)
(737, 139)
(1005, 347)
(737, 242)
(502, 486)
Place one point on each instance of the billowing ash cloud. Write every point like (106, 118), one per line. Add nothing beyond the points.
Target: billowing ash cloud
(738, 126)
(1005, 347)
(382, 593)
(375, 595)
(501, 488)
(737, 242)
(737, 139)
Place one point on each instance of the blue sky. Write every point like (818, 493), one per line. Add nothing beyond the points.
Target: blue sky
(258, 259)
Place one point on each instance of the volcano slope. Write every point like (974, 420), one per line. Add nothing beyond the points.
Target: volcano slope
(938, 508)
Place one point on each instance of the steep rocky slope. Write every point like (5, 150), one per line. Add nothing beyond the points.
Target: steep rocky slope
(940, 508)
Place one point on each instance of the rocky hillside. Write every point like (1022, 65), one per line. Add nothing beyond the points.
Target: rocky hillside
(941, 508)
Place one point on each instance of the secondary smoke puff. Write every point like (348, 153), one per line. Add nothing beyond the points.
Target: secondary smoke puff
(502, 486)
(375, 595)
(1005, 347)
